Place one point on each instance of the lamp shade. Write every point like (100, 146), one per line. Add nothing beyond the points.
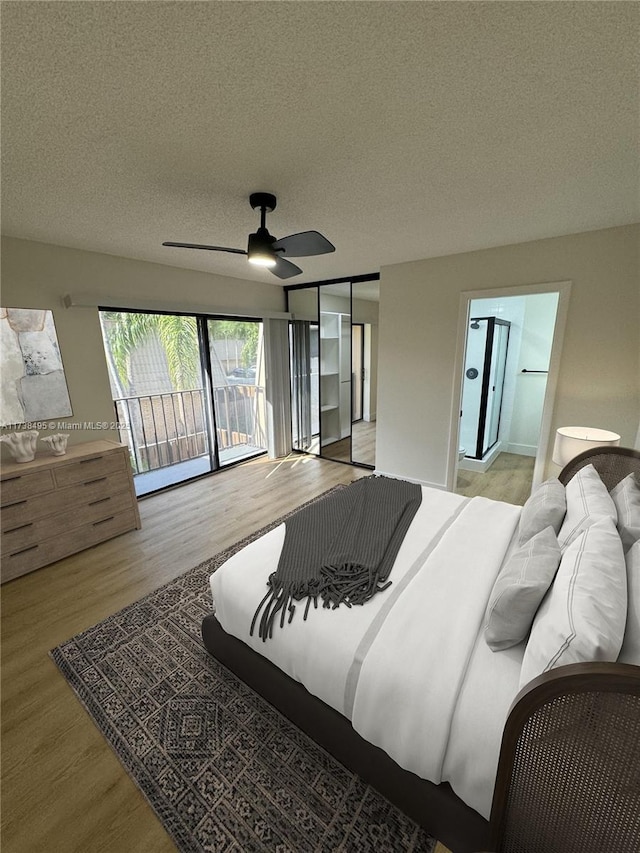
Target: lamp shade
(260, 251)
(570, 441)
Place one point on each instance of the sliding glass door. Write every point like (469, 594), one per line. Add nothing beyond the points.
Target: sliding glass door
(305, 385)
(188, 392)
(237, 382)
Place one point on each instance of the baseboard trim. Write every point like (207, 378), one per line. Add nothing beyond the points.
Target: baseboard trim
(440, 486)
(522, 449)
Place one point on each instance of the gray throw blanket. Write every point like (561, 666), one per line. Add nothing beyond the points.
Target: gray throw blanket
(340, 549)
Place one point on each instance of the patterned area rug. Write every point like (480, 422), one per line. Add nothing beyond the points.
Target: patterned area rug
(222, 769)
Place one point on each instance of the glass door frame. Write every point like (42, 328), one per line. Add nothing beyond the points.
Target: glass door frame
(205, 359)
(482, 445)
(360, 377)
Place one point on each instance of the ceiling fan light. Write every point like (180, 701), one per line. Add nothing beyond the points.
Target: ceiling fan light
(260, 252)
(262, 259)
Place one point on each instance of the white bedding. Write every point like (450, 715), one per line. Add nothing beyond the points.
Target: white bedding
(410, 668)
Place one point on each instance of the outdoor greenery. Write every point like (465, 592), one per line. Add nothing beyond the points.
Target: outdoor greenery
(238, 330)
(123, 331)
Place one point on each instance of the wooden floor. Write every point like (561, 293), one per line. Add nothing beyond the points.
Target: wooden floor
(63, 789)
(363, 442)
(359, 447)
(509, 479)
(339, 451)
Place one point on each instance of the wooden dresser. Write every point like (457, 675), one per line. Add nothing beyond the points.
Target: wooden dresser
(58, 505)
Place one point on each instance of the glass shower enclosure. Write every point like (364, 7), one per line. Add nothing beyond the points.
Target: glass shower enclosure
(483, 384)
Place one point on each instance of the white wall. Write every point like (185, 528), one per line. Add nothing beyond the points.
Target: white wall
(599, 380)
(38, 275)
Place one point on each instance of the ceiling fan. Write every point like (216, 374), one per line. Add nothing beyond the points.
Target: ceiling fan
(264, 250)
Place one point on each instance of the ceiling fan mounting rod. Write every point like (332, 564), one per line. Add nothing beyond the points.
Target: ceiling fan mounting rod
(264, 201)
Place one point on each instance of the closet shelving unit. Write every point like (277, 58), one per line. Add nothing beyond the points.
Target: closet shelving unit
(335, 375)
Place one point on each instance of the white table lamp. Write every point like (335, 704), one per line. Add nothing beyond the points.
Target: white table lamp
(570, 441)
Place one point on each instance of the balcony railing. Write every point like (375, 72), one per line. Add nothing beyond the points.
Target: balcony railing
(165, 429)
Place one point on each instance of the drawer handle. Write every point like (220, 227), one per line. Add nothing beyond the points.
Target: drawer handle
(15, 477)
(17, 503)
(93, 459)
(24, 550)
(104, 521)
(99, 501)
(20, 527)
(91, 482)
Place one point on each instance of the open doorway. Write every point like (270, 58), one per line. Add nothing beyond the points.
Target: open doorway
(510, 345)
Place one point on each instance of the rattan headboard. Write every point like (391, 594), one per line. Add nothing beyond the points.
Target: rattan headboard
(568, 778)
(569, 772)
(612, 463)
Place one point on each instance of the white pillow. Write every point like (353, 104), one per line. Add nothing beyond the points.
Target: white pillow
(626, 498)
(630, 652)
(519, 589)
(587, 501)
(583, 615)
(546, 506)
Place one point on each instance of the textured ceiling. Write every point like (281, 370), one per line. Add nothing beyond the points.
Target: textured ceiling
(400, 130)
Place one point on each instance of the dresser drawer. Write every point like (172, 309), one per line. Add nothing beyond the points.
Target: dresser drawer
(32, 532)
(105, 528)
(89, 469)
(33, 557)
(49, 550)
(63, 501)
(20, 486)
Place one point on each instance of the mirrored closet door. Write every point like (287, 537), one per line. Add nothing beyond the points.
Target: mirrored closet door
(304, 351)
(333, 349)
(335, 371)
(365, 297)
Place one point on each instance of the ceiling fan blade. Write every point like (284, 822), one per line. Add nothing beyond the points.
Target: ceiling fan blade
(285, 269)
(304, 244)
(201, 246)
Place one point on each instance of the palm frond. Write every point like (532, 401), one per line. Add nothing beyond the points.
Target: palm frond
(125, 331)
(179, 338)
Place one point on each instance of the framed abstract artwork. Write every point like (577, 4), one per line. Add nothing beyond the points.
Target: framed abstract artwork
(33, 386)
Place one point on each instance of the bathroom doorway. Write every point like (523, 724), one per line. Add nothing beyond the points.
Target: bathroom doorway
(509, 354)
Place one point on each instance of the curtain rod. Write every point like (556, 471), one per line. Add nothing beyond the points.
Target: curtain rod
(86, 300)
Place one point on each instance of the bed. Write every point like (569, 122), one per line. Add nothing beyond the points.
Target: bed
(413, 690)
